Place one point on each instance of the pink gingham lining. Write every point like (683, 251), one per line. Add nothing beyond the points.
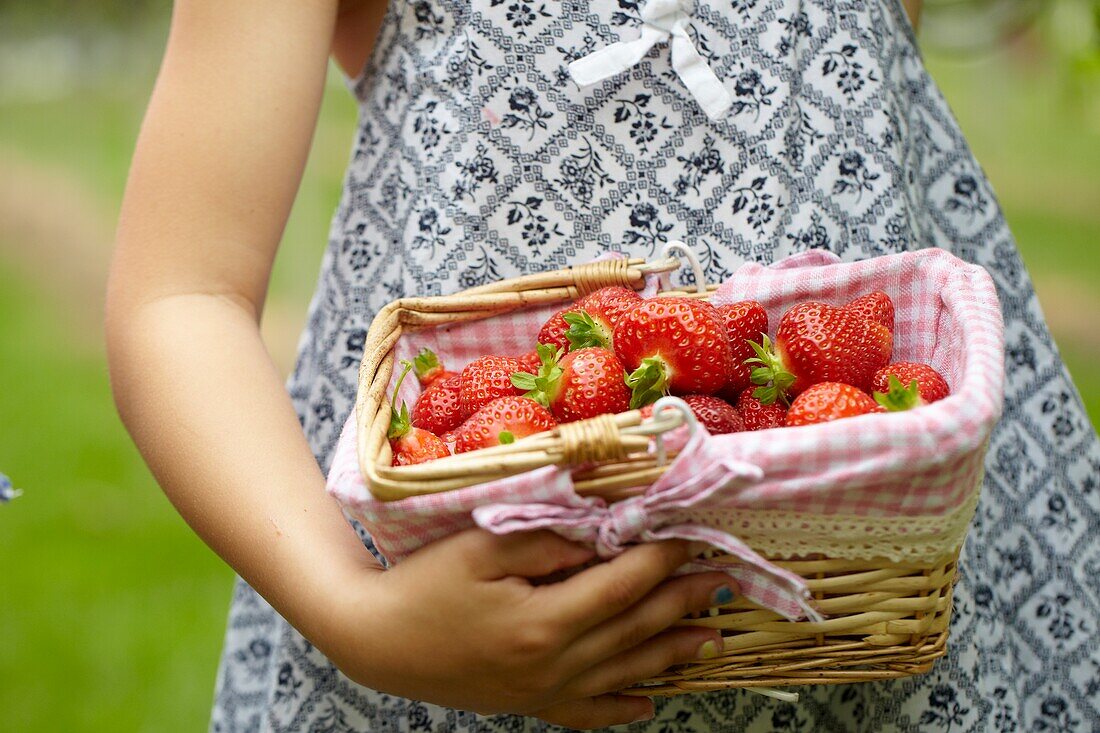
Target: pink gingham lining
(920, 463)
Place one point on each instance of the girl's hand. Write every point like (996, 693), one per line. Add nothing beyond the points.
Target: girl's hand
(460, 623)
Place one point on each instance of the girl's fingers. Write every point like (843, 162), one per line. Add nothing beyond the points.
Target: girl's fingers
(603, 591)
(655, 613)
(523, 554)
(675, 646)
(598, 712)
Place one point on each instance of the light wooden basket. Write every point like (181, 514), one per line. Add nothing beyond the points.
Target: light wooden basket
(885, 619)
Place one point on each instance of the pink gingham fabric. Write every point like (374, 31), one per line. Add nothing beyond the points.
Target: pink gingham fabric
(924, 462)
(917, 463)
(700, 478)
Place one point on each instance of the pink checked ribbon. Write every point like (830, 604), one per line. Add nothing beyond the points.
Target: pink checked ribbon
(695, 481)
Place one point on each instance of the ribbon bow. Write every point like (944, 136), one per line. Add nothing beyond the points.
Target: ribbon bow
(653, 516)
(661, 20)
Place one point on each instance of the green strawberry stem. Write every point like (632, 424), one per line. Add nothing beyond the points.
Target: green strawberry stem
(425, 363)
(900, 397)
(400, 424)
(542, 387)
(648, 383)
(770, 373)
(584, 332)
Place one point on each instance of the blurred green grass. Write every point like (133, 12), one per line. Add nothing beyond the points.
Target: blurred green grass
(112, 611)
(110, 607)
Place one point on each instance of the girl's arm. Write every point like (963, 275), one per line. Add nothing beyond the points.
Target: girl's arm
(216, 167)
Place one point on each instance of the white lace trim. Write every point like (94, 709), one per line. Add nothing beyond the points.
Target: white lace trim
(786, 535)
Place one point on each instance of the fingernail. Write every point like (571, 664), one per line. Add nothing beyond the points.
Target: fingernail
(708, 650)
(721, 596)
(647, 715)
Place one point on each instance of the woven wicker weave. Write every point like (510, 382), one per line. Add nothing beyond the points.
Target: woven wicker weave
(884, 619)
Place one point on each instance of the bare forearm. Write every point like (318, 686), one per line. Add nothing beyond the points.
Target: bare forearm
(215, 171)
(205, 406)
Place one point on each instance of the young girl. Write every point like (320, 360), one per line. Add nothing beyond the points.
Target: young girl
(498, 137)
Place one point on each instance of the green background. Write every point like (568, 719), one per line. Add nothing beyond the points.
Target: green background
(111, 611)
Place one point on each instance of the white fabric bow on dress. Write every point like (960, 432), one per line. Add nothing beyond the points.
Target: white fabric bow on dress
(661, 20)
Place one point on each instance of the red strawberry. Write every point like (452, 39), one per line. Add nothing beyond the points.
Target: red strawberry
(717, 416)
(590, 321)
(485, 379)
(816, 343)
(531, 361)
(827, 401)
(577, 385)
(758, 416)
(411, 445)
(745, 321)
(429, 369)
(904, 385)
(553, 331)
(875, 306)
(438, 408)
(502, 421)
(676, 345)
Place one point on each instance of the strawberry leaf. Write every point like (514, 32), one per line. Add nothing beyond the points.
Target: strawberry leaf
(900, 397)
(766, 395)
(425, 363)
(523, 380)
(400, 424)
(584, 332)
(648, 383)
(773, 378)
(541, 387)
(761, 375)
(549, 354)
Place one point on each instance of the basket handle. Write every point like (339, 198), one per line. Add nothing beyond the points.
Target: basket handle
(670, 251)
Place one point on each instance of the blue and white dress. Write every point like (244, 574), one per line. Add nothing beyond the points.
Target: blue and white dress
(751, 129)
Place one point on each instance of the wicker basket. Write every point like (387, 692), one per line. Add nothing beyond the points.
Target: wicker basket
(885, 619)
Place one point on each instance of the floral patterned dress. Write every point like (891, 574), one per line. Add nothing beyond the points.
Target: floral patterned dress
(751, 129)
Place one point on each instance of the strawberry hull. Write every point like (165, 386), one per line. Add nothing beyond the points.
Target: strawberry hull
(673, 346)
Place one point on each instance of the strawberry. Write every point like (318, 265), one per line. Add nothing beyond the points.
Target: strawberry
(429, 369)
(553, 331)
(676, 345)
(826, 401)
(409, 444)
(577, 385)
(530, 361)
(590, 321)
(717, 416)
(502, 420)
(485, 379)
(439, 409)
(745, 321)
(875, 306)
(904, 385)
(758, 416)
(816, 343)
